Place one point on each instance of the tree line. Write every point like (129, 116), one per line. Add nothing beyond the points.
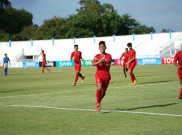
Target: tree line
(92, 18)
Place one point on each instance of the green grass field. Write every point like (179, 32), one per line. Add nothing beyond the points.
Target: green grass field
(36, 104)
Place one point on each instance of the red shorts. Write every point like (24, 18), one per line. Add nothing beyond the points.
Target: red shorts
(124, 64)
(104, 82)
(77, 68)
(43, 63)
(180, 73)
(131, 65)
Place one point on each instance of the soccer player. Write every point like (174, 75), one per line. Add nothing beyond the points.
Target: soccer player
(77, 57)
(44, 62)
(131, 63)
(5, 63)
(126, 56)
(178, 64)
(102, 76)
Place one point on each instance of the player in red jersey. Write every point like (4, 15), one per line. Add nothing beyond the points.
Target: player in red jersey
(44, 62)
(102, 76)
(178, 64)
(126, 56)
(77, 57)
(131, 62)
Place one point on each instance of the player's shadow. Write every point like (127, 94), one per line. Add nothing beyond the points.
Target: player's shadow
(10, 91)
(156, 82)
(144, 107)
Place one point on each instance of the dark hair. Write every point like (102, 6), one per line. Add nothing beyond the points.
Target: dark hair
(102, 42)
(75, 45)
(129, 44)
(43, 51)
(5, 54)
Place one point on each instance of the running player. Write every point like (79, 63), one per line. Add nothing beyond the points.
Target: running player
(131, 63)
(44, 62)
(126, 56)
(102, 76)
(77, 57)
(178, 64)
(5, 63)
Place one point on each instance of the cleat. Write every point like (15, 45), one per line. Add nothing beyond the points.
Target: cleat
(98, 108)
(74, 84)
(134, 82)
(83, 79)
(131, 83)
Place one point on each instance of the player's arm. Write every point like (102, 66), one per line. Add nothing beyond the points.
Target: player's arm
(122, 56)
(71, 58)
(108, 62)
(96, 61)
(81, 56)
(175, 61)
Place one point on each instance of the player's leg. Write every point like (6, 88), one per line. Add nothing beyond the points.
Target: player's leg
(104, 88)
(180, 78)
(6, 71)
(76, 78)
(180, 94)
(42, 69)
(124, 71)
(130, 71)
(98, 93)
(47, 68)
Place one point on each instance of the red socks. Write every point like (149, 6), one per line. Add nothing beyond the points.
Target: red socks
(124, 73)
(98, 95)
(102, 94)
(80, 75)
(76, 78)
(42, 71)
(48, 69)
(180, 94)
(132, 77)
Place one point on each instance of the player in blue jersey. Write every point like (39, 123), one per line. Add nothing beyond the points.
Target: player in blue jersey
(5, 63)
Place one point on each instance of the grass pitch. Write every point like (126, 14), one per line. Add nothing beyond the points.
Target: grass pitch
(32, 103)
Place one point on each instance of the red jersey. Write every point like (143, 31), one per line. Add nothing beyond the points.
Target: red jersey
(178, 58)
(126, 56)
(77, 57)
(102, 70)
(131, 54)
(43, 57)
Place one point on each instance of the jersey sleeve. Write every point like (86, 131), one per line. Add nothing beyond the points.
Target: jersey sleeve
(109, 59)
(176, 57)
(134, 55)
(122, 55)
(71, 55)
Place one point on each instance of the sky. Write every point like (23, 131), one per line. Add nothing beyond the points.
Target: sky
(157, 13)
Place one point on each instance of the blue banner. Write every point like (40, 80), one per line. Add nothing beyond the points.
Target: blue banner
(30, 64)
(64, 63)
(149, 61)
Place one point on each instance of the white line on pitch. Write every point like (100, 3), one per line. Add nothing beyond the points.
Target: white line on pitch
(77, 109)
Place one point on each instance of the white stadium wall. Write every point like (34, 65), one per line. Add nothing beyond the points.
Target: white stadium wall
(62, 48)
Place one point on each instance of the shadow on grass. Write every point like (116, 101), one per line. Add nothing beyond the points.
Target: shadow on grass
(144, 107)
(156, 82)
(10, 91)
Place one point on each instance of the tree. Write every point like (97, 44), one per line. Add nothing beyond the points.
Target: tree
(13, 20)
(51, 28)
(143, 29)
(3, 5)
(166, 30)
(27, 33)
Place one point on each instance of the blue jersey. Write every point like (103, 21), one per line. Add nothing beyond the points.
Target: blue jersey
(6, 59)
